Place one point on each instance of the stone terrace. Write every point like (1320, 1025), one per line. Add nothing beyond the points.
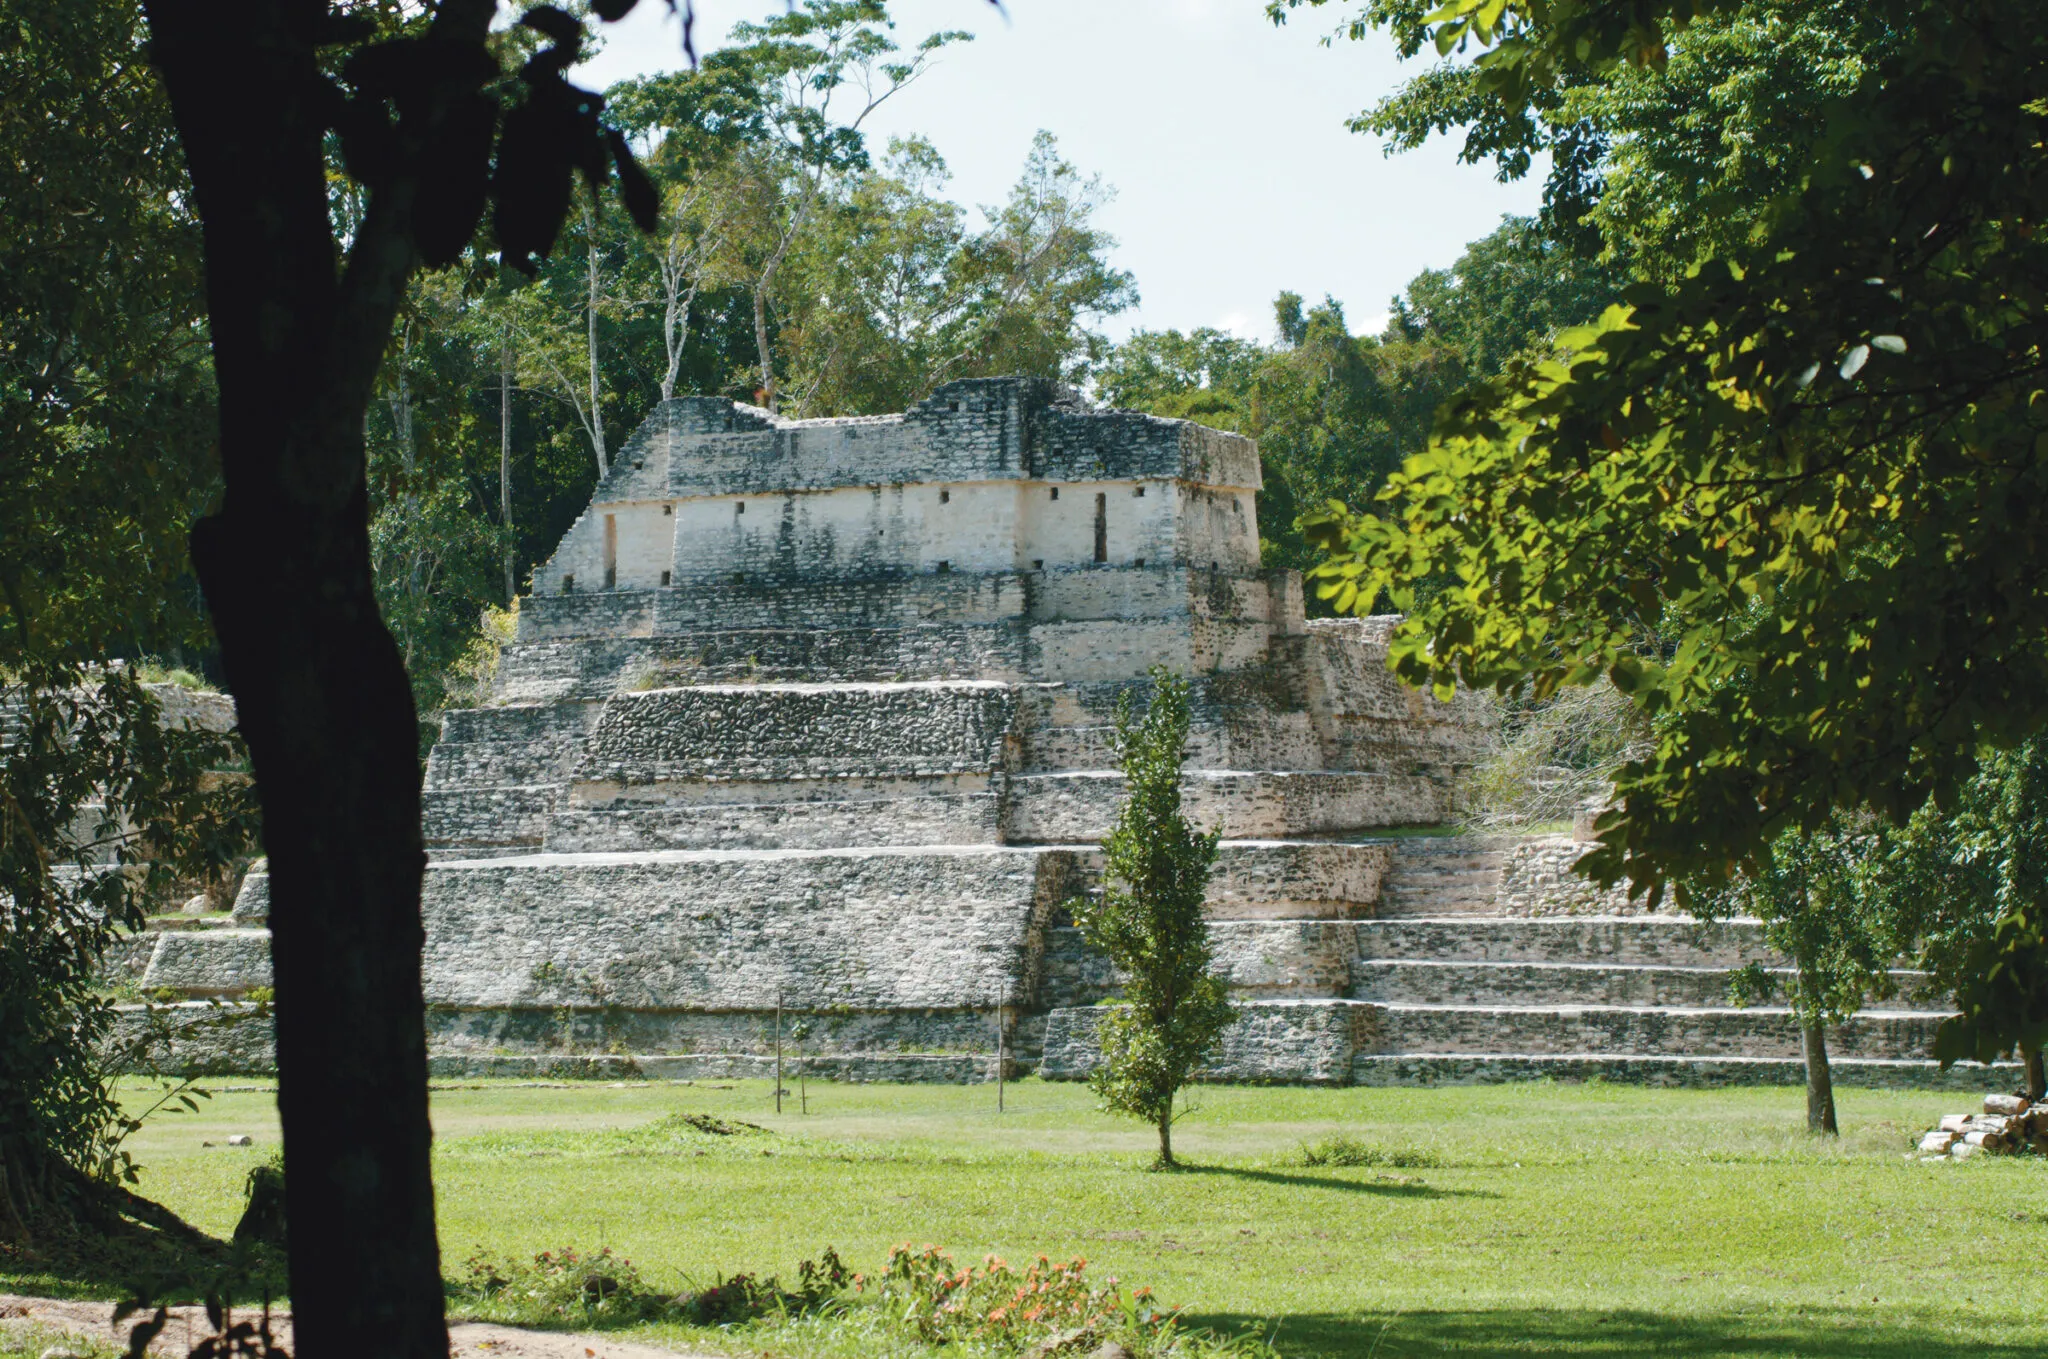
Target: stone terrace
(813, 715)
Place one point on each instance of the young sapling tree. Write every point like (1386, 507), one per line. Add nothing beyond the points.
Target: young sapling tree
(1149, 920)
(1812, 892)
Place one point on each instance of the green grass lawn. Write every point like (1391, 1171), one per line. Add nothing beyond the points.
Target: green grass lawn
(1544, 1219)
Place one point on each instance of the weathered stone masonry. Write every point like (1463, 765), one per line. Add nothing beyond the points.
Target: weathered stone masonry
(814, 714)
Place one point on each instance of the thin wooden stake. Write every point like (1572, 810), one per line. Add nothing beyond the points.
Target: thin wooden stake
(999, 1059)
(778, 1052)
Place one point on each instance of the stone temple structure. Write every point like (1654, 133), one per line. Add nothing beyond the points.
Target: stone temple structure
(809, 716)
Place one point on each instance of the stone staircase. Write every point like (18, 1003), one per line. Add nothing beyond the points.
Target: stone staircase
(1457, 973)
(1441, 875)
(1465, 997)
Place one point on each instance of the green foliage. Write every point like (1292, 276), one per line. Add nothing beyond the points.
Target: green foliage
(1813, 894)
(558, 1288)
(106, 390)
(1047, 1303)
(101, 808)
(1148, 920)
(1335, 413)
(1970, 881)
(1814, 467)
(1343, 1150)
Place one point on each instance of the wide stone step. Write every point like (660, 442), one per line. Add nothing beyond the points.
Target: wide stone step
(1659, 1032)
(938, 819)
(1418, 982)
(1670, 941)
(497, 764)
(227, 963)
(1260, 959)
(1380, 1069)
(598, 668)
(1474, 896)
(488, 816)
(774, 732)
(1077, 807)
(1295, 879)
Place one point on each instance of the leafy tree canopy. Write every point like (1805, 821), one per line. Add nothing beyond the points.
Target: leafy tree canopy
(1335, 413)
(106, 394)
(1813, 460)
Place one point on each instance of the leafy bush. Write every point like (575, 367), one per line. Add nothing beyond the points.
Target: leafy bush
(559, 1287)
(744, 1296)
(1349, 1151)
(1049, 1305)
(1047, 1308)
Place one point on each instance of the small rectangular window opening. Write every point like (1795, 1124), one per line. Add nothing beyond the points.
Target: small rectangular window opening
(944, 567)
(664, 578)
(1038, 563)
(739, 507)
(611, 551)
(1140, 561)
(568, 583)
(1102, 526)
(1138, 491)
(945, 496)
(1055, 493)
(668, 509)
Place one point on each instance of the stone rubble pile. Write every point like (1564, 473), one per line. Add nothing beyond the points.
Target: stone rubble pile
(2009, 1124)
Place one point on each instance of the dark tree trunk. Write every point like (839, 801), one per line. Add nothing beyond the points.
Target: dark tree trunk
(1166, 1139)
(320, 688)
(1820, 1082)
(2037, 1075)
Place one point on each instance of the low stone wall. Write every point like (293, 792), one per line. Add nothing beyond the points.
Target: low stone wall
(792, 731)
(874, 930)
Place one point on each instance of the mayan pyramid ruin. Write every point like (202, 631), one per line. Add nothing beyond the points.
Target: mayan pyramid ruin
(808, 718)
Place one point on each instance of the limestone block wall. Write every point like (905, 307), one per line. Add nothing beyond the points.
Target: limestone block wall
(785, 731)
(985, 476)
(876, 933)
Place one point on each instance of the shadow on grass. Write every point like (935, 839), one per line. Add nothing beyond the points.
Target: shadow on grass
(131, 1261)
(1389, 1188)
(1814, 1333)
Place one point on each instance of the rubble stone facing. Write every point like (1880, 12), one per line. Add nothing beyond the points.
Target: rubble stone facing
(1537, 880)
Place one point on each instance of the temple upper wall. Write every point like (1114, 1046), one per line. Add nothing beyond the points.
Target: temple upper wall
(985, 475)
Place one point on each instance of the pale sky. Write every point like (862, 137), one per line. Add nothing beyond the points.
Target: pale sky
(1223, 137)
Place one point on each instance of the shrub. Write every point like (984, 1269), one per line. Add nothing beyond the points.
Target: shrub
(557, 1287)
(1349, 1151)
(939, 1302)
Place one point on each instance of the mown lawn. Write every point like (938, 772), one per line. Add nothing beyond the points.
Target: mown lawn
(1544, 1219)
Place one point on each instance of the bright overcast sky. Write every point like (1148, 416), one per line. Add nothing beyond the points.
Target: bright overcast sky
(1223, 137)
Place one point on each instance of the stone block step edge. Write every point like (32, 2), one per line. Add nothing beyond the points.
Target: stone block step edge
(1902, 975)
(1466, 1068)
(1759, 1011)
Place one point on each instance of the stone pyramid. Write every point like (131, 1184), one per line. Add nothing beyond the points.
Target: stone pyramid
(812, 714)
(805, 725)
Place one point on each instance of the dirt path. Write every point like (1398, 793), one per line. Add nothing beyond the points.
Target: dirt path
(468, 1340)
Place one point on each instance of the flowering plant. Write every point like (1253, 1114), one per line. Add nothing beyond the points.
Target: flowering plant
(941, 1301)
